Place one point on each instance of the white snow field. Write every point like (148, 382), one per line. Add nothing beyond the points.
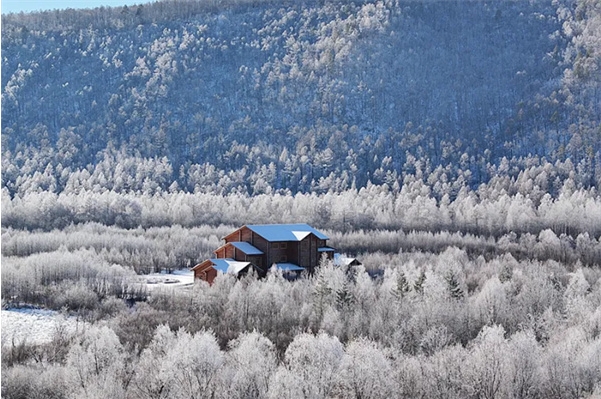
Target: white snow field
(34, 326)
(38, 326)
(177, 279)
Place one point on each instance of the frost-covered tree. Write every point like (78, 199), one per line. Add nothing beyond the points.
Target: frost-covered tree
(364, 372)
(179, 365)
(487, 371)
(310, 367)
(96, 364)
(249, 366)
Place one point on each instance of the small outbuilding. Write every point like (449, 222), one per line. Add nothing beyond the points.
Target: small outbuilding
(343, 260)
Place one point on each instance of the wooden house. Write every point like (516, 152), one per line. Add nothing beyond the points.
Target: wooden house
(290, 247)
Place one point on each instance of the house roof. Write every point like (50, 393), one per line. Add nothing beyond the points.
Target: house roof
(289, 267)
(285, 232)
(229, 265)
(203, 265)
(246, 248)
(341, 260)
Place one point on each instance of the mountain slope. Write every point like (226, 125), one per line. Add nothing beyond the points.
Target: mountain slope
(308, 91)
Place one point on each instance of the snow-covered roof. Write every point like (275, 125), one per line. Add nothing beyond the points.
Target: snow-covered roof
(229, 265)
(285, 232)
(289, 267)
(300, 235)
(246, 248)
(342, 260)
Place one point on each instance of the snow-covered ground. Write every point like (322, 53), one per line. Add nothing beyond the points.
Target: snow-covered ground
(177, 279)
(34, 326)
(38, 326)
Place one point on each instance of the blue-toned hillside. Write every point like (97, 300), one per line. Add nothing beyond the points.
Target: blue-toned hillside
(308, 96)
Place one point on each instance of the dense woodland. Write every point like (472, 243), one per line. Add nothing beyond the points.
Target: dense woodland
(431, 325)
(306, 97)
(454, 147)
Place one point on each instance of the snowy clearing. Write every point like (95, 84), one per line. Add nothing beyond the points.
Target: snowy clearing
(35, 326)
(177, 279)
(38, 326)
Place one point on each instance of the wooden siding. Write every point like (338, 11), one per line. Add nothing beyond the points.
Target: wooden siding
(220, 253)
(305, 252)
(204, 271)
(256, 260)
(292, 252)
(211, 275)
(230, 251)
(246, 234)
(279, 252)
(313, 250)
(262, 245)
(308, 255)
(242, 234)
(232, 236)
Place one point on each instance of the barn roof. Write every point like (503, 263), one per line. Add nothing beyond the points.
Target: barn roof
(285, 232)
(229, 265)
(246, 248)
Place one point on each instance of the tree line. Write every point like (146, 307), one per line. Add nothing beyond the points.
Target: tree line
(519, 200)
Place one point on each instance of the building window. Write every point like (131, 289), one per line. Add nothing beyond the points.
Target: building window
(275, 245)
(283, 245)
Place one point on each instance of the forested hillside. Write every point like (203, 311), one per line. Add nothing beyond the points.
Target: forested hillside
(309, 96)
(454, 147)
